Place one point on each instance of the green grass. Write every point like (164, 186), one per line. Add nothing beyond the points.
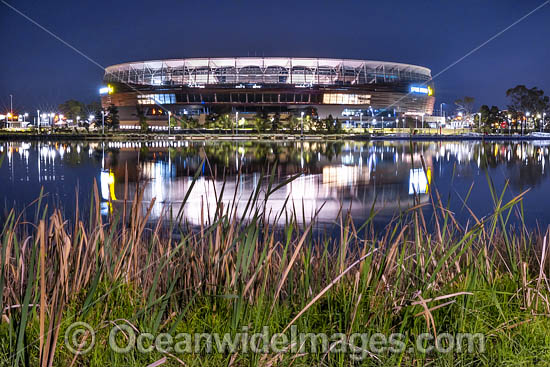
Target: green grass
(419, 275)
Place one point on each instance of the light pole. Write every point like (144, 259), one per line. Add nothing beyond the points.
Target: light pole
(441, 109)
(38, 119)
(11, 104)
(544, 119)
(102, 122)
(77, 120)
(540, 122)
(51, 119)
(479, 120)
(423, 121)
(236, 122)
(302, 124)
(527, 114)
(169, 114)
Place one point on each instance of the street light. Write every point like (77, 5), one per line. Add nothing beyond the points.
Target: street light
(423, 120)
(479, 120)
(169, 114)
(527, 114)
(302, 124)
(102, 122)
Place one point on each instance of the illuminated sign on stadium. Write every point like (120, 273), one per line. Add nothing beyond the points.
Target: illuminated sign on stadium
(421, 90)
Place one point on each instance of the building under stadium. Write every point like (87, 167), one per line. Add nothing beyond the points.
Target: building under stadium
(360, 91)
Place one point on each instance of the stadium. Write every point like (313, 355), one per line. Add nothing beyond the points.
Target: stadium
(357, 91)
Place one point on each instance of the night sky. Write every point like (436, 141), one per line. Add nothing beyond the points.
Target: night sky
(41, 72)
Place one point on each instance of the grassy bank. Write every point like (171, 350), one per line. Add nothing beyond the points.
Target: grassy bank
(419, 275)
(250, 134)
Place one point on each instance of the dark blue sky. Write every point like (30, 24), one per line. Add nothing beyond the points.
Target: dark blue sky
(41, 72)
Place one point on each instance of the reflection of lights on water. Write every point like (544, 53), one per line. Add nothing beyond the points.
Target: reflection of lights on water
(160, 174)
(419, 181)
(104, 183)
(302, 188)
(344, 176)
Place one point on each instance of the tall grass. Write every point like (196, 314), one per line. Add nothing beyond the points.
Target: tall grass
(417, 275)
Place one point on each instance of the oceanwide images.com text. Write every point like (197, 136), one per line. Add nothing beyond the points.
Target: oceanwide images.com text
(80, 338)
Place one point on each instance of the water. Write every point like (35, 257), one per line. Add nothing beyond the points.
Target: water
(352, 176)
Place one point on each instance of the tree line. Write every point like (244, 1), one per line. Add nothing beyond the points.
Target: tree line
(523, 102)
(81, 112)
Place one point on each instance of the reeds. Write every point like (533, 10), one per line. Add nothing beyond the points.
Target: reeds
(418, 275)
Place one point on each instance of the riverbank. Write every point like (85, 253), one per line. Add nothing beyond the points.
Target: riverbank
(76, 290)
(205, 134)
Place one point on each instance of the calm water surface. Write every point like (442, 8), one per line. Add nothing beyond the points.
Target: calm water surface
(353, 175)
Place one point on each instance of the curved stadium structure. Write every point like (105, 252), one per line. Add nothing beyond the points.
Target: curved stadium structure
(356, 90)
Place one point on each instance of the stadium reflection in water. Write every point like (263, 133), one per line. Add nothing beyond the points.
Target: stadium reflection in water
(349, 176)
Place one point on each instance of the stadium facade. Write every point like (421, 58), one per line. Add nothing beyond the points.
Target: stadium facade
(356, 90)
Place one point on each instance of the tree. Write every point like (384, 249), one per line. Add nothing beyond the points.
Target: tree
(275, 122)
(319, 124)
(260, 121)
(187, 122)
(172, 121)
(293, 123)
(211, 120)
(329, 124)
(495, 115)
(465, 105)
(112, 120)
(72, 109)
(144, 127)
(525, 100)
(93, 109)
(224, 122)
(309, 122)
(98, 118)
(484, 115)
(489, 116)
(338, 127)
